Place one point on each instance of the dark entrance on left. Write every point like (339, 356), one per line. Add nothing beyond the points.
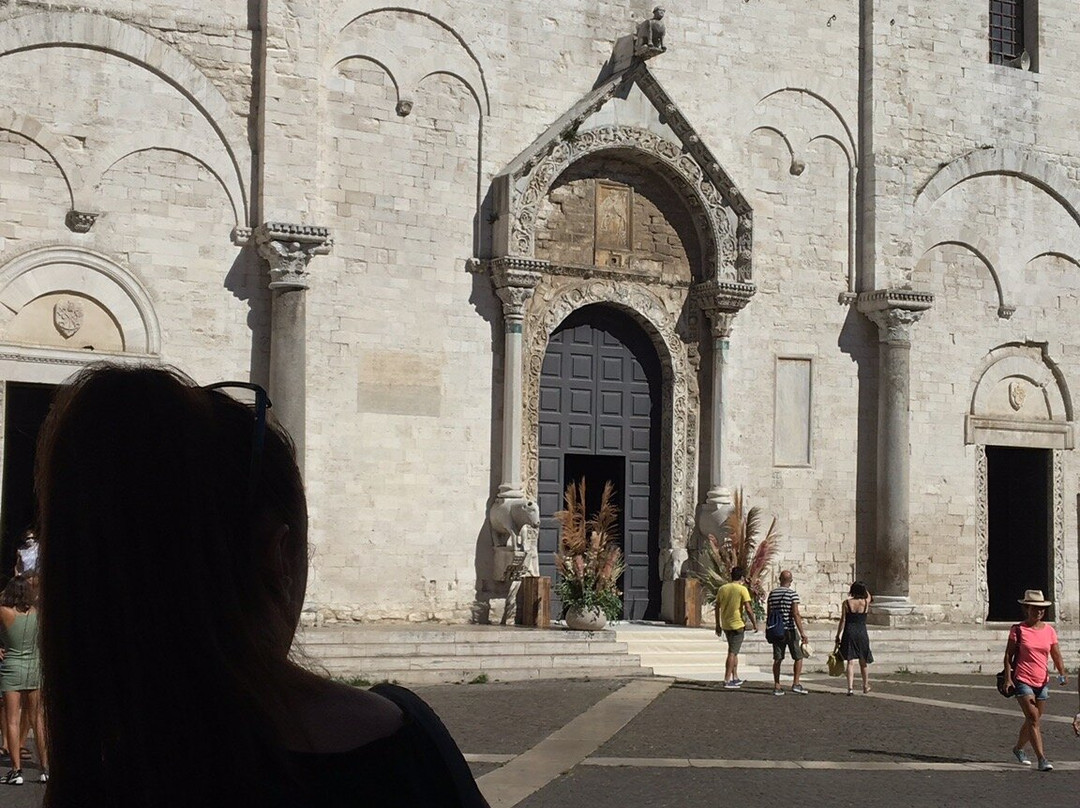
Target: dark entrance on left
(25, 408)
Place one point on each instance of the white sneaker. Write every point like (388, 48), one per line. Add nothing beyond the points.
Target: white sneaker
(44, 778)
(14, 777)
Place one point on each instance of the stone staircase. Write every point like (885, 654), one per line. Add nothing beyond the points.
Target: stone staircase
(697, 653)
(432, 653)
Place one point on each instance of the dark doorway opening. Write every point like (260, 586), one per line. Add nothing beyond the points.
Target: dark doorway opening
(25, 408)
(597, 470)
(1019, 527)
(600, 407)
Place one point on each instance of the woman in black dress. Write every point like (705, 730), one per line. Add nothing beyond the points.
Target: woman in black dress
(851, 636)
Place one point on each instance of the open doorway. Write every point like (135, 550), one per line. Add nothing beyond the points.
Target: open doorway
(1019, 529)
(25, 408)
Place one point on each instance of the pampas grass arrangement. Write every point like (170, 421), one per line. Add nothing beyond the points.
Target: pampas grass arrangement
(589, 559)
(741, 544)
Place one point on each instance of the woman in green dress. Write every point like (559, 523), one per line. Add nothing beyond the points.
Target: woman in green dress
(20, 672)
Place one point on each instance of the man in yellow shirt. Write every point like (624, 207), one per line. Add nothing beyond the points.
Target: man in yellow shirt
(732, 602)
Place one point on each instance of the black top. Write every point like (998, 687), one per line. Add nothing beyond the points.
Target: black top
(419, 766)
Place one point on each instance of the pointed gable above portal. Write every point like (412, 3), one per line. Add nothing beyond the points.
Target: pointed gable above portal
(632, 115)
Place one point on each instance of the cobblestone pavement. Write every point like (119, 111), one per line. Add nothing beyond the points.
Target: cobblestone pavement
(915, 741)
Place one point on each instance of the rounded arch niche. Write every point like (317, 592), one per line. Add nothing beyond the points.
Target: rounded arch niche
(49, 295)
(658, 317)
(722, 220)
(610, 210)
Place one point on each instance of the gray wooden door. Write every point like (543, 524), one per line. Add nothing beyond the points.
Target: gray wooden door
(600, 394)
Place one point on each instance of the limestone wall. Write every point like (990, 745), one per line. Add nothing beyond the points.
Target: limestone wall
(387, 126)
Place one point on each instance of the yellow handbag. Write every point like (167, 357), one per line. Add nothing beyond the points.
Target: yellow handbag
(836, 662)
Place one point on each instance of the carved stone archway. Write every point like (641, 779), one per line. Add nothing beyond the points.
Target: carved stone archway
(658, 313)
(632, 119)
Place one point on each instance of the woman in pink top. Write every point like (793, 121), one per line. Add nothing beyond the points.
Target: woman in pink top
(1031, 643)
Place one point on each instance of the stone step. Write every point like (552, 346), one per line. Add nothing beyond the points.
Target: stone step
(482, 662)
(465, 675)
(432, 653)
(400, 649)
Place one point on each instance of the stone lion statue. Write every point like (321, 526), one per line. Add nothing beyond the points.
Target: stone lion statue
(508, 517)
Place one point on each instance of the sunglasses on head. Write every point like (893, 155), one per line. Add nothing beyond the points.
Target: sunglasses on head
(258, 430)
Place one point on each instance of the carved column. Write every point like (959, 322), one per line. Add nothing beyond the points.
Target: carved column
(288, 249)
(894, 312)
(514, 281)
(720, 301)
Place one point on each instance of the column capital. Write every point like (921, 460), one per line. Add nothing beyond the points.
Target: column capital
(894, 311)
(721, 301)
(288, 248)
(515, 279)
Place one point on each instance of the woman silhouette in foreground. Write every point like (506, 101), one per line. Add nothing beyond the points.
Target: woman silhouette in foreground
(173, 532)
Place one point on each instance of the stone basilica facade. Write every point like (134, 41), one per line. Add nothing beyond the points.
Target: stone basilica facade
(827, 253)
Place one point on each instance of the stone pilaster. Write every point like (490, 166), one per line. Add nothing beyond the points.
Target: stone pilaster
(720, 301)
(514, 279)
(288, 249)
(894, 312)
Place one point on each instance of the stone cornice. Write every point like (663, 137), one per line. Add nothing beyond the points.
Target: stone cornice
(721, 301)
(881, 299)
(288, 249)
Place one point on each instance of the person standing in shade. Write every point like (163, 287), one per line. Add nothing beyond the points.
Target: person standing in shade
(732, 603)
(1031, 643)
(851, 636)
(785, 601)
(20, 674)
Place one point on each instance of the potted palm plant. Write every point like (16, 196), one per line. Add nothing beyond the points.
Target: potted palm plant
(742, 543)
(589, 560)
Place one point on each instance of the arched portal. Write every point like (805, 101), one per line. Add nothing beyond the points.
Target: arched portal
(600, 420)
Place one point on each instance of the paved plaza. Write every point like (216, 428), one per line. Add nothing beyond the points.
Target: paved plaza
(915, 741)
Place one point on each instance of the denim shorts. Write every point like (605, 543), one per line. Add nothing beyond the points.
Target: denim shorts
(1040, 693)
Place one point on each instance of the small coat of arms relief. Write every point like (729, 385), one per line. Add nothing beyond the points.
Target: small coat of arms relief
(68, 317)
(1017, 394)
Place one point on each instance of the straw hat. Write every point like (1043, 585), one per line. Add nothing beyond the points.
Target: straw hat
(1034, 597)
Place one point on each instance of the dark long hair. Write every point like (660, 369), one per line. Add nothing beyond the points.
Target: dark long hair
(165, 692)
(18, 594)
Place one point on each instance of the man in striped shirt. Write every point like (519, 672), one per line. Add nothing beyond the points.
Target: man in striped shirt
(785, 600)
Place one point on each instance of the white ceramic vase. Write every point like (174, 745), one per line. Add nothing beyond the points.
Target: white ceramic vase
(586, 619)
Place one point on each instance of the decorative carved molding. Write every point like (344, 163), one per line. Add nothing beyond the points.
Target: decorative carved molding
(726, 250)
(721, 301)
(1058, 515)
(894, 311)
(514, 282)
(289, 248)
(982, 531)
(79, 221)
(555, 299)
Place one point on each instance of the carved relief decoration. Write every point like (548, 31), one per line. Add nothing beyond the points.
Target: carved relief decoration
(1058, 515)
(68, 317)
(1017, 394)
(658, 313)
(982, 529)
(726, 234)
